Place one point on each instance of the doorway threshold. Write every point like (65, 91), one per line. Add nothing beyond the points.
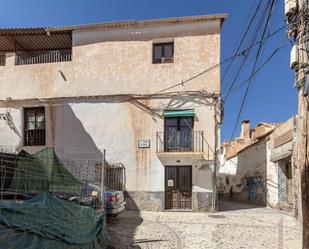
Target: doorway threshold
(178, 210)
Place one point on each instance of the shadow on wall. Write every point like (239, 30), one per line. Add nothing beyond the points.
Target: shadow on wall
(249, 184)
(178, 102)
(70, 132)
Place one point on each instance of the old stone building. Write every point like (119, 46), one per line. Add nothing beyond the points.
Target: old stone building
(139, 89)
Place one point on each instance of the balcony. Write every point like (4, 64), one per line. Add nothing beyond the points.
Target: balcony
(183, 143)
(39, 57)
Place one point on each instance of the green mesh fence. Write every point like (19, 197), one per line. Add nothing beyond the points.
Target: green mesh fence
(44, 206)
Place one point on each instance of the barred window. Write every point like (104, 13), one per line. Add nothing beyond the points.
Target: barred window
(34, 126)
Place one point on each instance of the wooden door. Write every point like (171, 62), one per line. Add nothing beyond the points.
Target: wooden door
(178, 187)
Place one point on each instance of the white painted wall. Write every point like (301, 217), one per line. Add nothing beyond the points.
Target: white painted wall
(234, 172)
(117, 127)
(119, 61)
(272, 179)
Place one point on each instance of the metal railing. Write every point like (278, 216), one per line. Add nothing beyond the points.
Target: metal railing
(114, 176)
(39, 57)
(182, 141)
(2, 59)
(34, 137)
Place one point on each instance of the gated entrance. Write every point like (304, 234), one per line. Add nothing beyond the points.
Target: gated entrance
(285, 184)
(178, 187)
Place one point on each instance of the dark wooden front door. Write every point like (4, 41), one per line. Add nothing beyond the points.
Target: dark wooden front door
(178, 187)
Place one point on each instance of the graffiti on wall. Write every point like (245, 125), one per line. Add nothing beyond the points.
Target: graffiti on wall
(253, 183)
(245, 188)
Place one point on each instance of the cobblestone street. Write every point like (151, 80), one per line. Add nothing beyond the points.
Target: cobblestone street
(243, 227)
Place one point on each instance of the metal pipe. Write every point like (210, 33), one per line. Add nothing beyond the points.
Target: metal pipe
(102, 178)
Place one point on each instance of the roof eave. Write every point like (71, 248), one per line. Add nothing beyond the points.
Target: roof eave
(130, 23)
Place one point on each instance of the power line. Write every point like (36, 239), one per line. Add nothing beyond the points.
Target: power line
(254, 66)
(241, 53)
(257, 70)
(242, 40)
(241, 67)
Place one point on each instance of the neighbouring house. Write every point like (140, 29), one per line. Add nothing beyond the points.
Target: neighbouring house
(258, 166)
(243, 161)
(142, 90)
(283, 179)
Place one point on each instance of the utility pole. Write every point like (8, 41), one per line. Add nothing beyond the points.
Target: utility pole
(297, 16)
(216, 161)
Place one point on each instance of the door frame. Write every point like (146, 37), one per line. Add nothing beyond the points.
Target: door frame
(165, 187)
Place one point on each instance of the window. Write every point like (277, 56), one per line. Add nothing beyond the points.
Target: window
(34, 126)
(163, 53)
(178, 133)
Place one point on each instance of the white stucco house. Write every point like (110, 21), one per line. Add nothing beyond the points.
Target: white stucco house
(142, 90)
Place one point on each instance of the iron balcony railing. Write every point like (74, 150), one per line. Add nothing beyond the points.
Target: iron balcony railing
(182, 141)
(39, 57)
(35, 137)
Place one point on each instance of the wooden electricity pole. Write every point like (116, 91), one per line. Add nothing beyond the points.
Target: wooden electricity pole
(297, 16)
(304, 167)
(301, 81)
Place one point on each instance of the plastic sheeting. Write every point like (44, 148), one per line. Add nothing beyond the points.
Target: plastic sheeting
(47, 222)
(42, 172)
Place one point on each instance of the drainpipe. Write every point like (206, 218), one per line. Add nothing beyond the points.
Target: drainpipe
(102, 178)
(215, 192)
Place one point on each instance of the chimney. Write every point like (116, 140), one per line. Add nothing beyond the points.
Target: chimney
(245, 129)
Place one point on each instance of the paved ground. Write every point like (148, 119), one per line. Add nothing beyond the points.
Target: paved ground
(241, 226)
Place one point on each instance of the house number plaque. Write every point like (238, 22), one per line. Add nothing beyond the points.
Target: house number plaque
(143, 143)
(170, 183)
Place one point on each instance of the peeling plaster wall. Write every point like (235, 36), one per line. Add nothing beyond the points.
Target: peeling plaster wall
(117, 127)
(11, 132)
(114, 65)
(119, 61)
(272, 179)
(282, 148)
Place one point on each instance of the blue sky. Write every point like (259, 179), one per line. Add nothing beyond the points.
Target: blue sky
(272, 97)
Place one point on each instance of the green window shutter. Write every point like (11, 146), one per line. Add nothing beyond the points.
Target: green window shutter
(178, 113)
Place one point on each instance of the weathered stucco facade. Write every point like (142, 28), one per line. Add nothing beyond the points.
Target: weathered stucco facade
(111, 96)
(282, 171)
(243, 177)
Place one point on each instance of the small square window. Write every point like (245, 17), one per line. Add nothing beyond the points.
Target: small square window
(163, 53)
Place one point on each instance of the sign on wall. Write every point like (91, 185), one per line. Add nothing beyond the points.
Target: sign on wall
(144, 143)
(170, 183)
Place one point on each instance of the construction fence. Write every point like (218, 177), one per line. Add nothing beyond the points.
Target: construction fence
(51, 198)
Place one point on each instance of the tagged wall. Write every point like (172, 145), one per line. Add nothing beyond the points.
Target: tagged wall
(243, 177)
